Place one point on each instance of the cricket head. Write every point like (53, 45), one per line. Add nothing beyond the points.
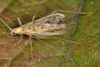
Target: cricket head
(18, 30)
(13, 31)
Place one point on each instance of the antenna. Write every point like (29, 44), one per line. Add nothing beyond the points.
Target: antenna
(5, 24)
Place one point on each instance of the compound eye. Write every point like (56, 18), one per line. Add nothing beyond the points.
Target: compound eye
(13, 33)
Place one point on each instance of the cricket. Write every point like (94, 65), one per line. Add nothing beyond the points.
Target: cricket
(53, 24)
(45, 27)
(50, 25)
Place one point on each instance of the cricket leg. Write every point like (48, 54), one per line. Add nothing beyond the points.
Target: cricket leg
(33, 18)
(71, 12)
(20, 25)
(20, 38)
(47, 44)
(19, 21)
(57, 11)
(66, 40)
(31, 47)
(21, 35)
(18, 42)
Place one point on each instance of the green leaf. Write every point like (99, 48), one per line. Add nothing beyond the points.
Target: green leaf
(49, 52)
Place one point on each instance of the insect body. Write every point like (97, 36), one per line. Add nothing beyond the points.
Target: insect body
(53, 24)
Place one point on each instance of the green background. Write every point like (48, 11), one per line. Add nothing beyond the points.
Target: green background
(85, 48)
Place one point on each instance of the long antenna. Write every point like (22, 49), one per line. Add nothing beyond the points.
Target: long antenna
(5, 24)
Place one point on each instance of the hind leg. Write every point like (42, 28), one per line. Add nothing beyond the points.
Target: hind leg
(31, 47)
(70, 12)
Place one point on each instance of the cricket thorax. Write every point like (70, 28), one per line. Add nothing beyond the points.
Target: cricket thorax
(25, 29)
(16, 31)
